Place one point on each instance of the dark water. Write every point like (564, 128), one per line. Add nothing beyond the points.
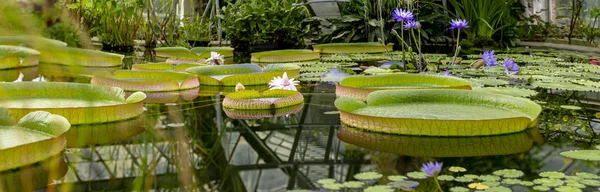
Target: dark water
(186, 142)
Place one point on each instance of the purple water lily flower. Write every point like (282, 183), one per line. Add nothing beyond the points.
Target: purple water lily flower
(401, 15)
(459, 24)
(412, 25)
(489, 58)
(432, 168)
(334, 75)
(510, 67)
(391, 63)
(447, 73)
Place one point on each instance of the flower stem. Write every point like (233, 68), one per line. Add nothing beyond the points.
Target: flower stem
(457, 47)
(438, 184)
(418, 46)
(402, 37)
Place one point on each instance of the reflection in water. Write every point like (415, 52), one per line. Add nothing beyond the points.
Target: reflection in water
(104, 133)
(170, 96)
(34, 177)
(418, 146)
(261, 114)
(65, 73)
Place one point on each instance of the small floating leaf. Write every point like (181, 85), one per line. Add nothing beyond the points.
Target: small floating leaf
(478, 186)
(417, 175)
(498, 189)
(471, 176)
(445, 178)
(379, 188)
(457, 169)
(589, 182)
(548, 182)
(491, 183)
(405, 184)
(326, 181)
(590, 155)
(541, 188)
(397, 178)
(368, 176)
(567, 189)
(489, 178)
(585, 175)
(353, 184)
(459, 189)
(575, 184)
(509, 173)
(463, 179)
(552, 174)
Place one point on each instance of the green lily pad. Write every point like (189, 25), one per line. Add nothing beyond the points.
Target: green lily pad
(80, 57)
(439, 112)
(79, 103)
(40, 135)
(333, 186)
(359, 86)
(85, 135)
(353, 184)
(552, 174)
(575, 184)
(457, 169)
(326, 181)
(567, 189)
(246, 74)
(371, 47)
(164, 66)
(368, 176)
(512, 91)
(489, 81)
(585, 175)
(204, 52)
(589, 155)
(527, 183)
(511, 181)
(405, 185)
(270, 99)
(445, 177)
(152, 81)
(590, 182)
(541, 188)
(417, 175)
(459, 189)
(397, 178)
(509, 173)
(262, 113)
(491, 183)
(563, 86)
(489, 178)
(463, 179)
(285, 56)
(548, 182)
(16, 57)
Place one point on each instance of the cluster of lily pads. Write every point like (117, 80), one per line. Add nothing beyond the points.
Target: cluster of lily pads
(456, 179)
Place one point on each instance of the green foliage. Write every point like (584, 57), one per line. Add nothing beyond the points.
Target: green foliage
(196, 29)
(66, 32)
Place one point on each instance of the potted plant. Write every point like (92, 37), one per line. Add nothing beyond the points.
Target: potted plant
(197, 31)
(263, 25)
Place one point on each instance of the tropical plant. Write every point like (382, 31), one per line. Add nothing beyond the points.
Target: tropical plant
(256, 22)
(197, 29)
(589, 29)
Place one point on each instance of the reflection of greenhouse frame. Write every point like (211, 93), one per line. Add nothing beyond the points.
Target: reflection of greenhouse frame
(523, 113)
(360, 86)
(116, 108)
(418, 146)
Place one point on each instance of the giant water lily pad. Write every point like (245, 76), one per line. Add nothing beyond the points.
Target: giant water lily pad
(31, 41)
(19, 74)
(79, 103)
(512, 91)
(270, 99)
(360, 86)
(171, 96)
(194, 55)
(418, 146)
(147, 80)
(164, 66)
(247, 74)
(285, 56)
(204, 52)
(371, 47)
(35, 137)
(16, 57)
(80, 57)
(439, 112)
(262, 113)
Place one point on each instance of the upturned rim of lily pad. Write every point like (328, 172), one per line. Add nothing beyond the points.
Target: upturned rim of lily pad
(365, 47)
(80, 57)
(164, 97)
(107, 104)
(360, 86)
(204, 52)
(262, 113)
(17, 57)
(269, 99)
(285, 56)
(523, 113)
(57, 70)
(247, 74)
(164, 66)
(150, 81)
(46, 137)
(424, 146)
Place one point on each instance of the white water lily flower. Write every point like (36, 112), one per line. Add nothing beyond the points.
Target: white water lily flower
(215, 59)
(283, 83)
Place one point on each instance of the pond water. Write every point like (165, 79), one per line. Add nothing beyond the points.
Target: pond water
(186, 142)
